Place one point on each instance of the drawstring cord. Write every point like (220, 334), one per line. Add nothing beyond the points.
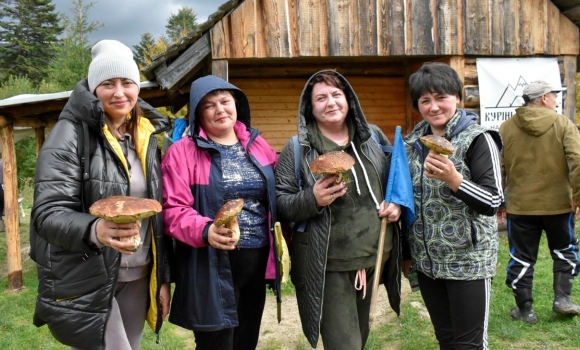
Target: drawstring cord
(366, 177)
(360, 281)
(355, 180)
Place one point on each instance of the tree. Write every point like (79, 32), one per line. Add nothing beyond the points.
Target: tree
(29, 29)
(178, 25)
(73, 55)
(141, 51)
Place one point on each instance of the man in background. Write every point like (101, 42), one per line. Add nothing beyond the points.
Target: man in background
(541, 163)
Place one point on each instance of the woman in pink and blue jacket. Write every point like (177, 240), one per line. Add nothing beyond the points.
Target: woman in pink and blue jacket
(220, 288)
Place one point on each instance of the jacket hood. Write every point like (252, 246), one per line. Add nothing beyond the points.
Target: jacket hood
(204, 85)
(355, 112)
(83, 105)
(535, 120)
(465, 119)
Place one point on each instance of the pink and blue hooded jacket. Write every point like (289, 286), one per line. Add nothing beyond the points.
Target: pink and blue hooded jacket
(193, 193)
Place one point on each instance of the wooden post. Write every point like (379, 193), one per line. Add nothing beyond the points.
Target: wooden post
(458, 63)
(14, 260)
(569, 107)
(219, 68)
(39, 133)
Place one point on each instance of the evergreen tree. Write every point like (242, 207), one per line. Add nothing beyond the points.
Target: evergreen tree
(141, 51)
(180, 24)
(29, 30)
(73, 55)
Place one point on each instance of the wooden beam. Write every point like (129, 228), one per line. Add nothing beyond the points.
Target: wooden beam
(569, 107)
(476, 27)
(277, 29)
(367, 35)
(312, 28)
(14, 259)
(305, 68)
(383, 22)
(39, 133)
(396, 22)
(220, 39)
(219, 68)
(5, 121)
(447, 18)
(458, 63)
(504, 27)
(182, 68)
(339, 28)
(422, 28)
(569, 37)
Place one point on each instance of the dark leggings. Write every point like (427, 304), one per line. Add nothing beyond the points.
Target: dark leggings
(248, 271)
(459, 311)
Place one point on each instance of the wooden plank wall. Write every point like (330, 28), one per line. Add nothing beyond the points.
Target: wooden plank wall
(274, 104)
(351, 28)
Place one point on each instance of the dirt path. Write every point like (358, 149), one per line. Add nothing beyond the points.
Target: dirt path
(288, 334)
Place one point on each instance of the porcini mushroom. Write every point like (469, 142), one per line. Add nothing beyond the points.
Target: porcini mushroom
(335, 162)
(438, 144)
(126, 209)
(228, 216)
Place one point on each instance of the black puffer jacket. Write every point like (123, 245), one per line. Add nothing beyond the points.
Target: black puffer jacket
(309, 249)
(77, 280)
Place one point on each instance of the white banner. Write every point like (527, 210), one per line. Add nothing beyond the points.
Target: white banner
(502, 80)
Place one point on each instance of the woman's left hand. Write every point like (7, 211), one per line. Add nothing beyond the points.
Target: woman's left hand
(391, 211)
(441, 168)
(165, 299)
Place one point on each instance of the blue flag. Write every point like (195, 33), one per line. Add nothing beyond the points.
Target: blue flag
(399, 186)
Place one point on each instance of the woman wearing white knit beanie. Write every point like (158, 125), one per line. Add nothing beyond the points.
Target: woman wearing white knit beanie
(97, 290)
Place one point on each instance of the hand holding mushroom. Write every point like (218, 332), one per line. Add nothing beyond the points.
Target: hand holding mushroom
(121, 223)
(224, 233)
(332, 185)
(437, 165)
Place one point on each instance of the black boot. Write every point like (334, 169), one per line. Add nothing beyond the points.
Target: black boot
(562, 289)
(524, 311)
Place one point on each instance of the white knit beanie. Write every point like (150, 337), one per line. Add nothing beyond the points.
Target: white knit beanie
(111, 59)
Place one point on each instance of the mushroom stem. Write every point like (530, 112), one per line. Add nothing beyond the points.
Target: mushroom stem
(235, 228)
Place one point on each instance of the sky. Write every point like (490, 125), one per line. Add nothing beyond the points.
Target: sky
(126, 20)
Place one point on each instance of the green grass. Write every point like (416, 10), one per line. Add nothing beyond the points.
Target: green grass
(412, 331)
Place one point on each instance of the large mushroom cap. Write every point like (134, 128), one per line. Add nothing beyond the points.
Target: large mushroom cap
(125, 209)
(228, 211)
(334, 162)
(438, 144)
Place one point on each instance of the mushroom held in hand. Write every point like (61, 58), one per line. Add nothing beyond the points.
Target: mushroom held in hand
(335, 162)
(228, 216)
(125, 209)
(438, 144)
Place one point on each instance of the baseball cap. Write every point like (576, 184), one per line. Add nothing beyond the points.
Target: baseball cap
(538, 88)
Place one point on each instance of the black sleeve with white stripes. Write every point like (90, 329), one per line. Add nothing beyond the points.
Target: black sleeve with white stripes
(482, 192)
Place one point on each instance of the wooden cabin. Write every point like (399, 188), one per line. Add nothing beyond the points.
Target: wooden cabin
(269, 48)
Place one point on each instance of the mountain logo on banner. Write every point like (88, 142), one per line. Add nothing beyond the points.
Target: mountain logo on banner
(511, 96)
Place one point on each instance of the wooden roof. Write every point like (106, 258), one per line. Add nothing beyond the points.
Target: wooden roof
(570, 9)
(243, 30)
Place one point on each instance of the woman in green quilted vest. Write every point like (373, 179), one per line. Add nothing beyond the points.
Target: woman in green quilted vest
(453, 242)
